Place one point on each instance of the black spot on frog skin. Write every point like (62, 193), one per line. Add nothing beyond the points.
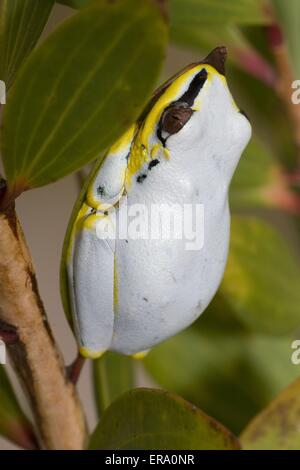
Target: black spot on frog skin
(141, 178)
(101, 190)
(153, 163)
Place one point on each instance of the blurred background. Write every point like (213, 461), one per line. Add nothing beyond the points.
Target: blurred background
(237, 357)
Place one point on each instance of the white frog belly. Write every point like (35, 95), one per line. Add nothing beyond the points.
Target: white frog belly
(162, 287)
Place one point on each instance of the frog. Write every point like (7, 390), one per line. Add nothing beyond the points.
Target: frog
(128, 293)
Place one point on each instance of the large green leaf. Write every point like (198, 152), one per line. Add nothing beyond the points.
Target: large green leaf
(154, 419)
(288, 14)
(21, 24)
(13, 423)
(228, 372)
(277, 427)
(113, 375)
(84, 86)
(262, 278)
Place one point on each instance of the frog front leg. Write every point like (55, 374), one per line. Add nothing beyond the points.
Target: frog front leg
(108, 178)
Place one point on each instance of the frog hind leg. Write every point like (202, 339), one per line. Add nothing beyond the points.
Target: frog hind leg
(91, 277)
(141, 354)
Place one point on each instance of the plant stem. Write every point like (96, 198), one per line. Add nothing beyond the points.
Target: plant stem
(74, 370)
(283, 198)
(37, 361)
(163, 6)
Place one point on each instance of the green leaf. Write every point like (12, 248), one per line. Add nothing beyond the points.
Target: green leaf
(228, 372)
(21, 24)
(75, 3)
(262, 278)
(206, 37)
(288, 15)
(85, 85)
(13, 423)
(113, 375)
(197, 24)
(189, 14)
(154, 419)
(187, 18)
(193, 14)
(277, 426)
(256, 175)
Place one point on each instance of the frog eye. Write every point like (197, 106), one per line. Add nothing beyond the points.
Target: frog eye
(177, 114)
(175, 117)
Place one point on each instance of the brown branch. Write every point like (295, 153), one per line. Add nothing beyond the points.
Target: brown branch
(58, 415)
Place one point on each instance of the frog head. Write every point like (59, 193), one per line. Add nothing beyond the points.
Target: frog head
(194, 121)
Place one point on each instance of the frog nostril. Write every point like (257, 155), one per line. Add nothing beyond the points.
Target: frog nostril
(244, 114)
